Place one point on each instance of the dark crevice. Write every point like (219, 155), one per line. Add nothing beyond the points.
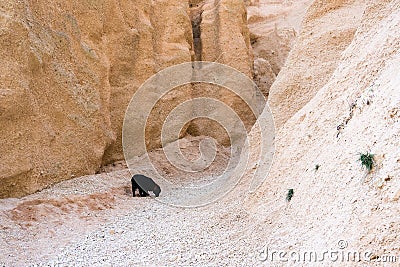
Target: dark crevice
(196, 11)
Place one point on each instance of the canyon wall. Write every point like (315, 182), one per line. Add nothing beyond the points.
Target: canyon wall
(54, 99)
(223, 38)
(327, 30)
(70, 68)
(338, 96)
(274, 27)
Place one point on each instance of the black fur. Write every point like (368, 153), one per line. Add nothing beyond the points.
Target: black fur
(144, 184)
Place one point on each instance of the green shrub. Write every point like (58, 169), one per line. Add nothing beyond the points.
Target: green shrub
(289, 194)
(367, 160)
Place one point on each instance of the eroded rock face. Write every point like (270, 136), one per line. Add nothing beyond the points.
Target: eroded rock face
(150, 38)
(326, 31)
(224, 38)
(54, 96)
(70, 68)
(274, 27)
(338, 96)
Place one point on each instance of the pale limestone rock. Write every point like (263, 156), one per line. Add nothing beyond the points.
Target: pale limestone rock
(351, 80)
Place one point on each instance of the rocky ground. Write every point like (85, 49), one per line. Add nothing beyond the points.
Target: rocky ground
(112, 228)
(95, 221)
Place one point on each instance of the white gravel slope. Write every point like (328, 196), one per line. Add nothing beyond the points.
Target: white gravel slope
(160, 235)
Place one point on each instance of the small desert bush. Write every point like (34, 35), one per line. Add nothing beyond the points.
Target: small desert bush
(367, 160)
(289, 194)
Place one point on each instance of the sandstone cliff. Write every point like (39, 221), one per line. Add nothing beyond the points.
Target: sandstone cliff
(54, 102)
(224, 38)
(70, 68)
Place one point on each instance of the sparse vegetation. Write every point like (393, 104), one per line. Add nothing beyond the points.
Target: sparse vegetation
(367, 160)
(316, 167)
(289, 194)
